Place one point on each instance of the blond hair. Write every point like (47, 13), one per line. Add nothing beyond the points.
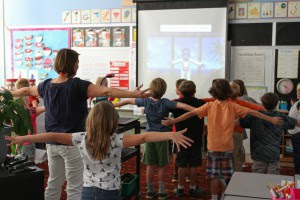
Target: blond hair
(101, 123)
(158, 87)
(235, 90)
(22, 82)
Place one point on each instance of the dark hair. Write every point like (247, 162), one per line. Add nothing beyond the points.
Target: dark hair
(158, 87)
(220, 89)
(65, 61)
(243, 90)
(179, 81)
(270, 100)
(187, 88)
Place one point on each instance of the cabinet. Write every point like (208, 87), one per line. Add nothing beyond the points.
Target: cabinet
(126, 124)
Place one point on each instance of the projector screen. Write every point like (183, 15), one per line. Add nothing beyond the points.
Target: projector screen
(182, 43)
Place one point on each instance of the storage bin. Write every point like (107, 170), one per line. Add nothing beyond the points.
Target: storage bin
(128, 188)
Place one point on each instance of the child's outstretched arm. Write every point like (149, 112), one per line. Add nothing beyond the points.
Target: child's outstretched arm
(26, 91)
(100, 91)
(125, 102)
(177, 137)
(169, 121)
(40, 110)
(184, 106)
(64, 138)
(274, 120)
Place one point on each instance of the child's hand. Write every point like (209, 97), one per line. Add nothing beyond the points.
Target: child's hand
(277, 120)
(182, 140)
(15, 140)
(137, 93)
(167, 121)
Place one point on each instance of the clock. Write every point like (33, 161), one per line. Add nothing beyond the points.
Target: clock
(285, 86)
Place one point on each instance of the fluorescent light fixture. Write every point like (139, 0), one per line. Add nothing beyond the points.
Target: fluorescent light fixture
(185, 28)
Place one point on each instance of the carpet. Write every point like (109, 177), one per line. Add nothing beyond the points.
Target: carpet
(129, 167)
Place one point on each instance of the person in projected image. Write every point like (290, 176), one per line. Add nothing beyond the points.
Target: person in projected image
(186, 61)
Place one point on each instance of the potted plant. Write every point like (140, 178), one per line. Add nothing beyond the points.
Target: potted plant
(13, 117)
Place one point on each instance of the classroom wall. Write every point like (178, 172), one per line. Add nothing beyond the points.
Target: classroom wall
(48, 12)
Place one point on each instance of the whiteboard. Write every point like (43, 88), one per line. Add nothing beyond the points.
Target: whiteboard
(257, 62)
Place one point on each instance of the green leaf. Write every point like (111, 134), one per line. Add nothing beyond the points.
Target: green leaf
(7, 96)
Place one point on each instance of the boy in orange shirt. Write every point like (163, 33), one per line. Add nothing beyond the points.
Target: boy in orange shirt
(221, 115)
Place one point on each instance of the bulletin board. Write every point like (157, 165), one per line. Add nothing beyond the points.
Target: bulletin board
(255, 66)
(33, 51)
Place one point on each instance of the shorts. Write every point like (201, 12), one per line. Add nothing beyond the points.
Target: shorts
(219, 163)
(191, 156)
(156, 153)
(266, 167)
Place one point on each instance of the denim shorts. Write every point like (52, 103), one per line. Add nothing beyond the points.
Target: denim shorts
(94, 193)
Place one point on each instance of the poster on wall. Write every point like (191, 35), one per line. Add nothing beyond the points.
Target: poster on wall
(267, 10)
(91, 37)
(294, 9)
(253, 10)
(126, 15)
(120, 36)
(121, 71)
(280, 9)
(86, 16)
(105, 16)
(126, 3)
(116, 15)
(104, 37)
(96, 16)
(133, 13)
(76, 16)
(78, 37)
(241, 11)
(67, 17)
(34, 50)
(231, 11)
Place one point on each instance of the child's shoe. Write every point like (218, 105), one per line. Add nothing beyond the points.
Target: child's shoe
(178, 192)
(150, 195)
(187, 179)
(174, 178)
(162, 196)
(196, 192)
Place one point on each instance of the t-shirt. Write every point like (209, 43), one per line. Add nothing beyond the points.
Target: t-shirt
(65, 105)
(155, 112)
(104, 174)
(265, 137)
(295, 113)
(221, 116)
(194, 124)
(31, 99)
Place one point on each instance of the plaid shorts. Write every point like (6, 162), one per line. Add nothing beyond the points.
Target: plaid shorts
(219, 163)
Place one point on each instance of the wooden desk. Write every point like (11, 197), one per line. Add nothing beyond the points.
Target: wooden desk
(22, 186)
(253, 185)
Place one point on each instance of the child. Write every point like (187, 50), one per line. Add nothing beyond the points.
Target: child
(29, 148)
(156, 153)
(102, 82)
(191, 156)
(174, 149)
(238, 150)
(100, 149)
(295, 113)
(265, 138)
(65, 99)
(221, 115)
(23, 82)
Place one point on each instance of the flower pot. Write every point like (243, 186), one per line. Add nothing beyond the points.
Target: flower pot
(3, 143)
